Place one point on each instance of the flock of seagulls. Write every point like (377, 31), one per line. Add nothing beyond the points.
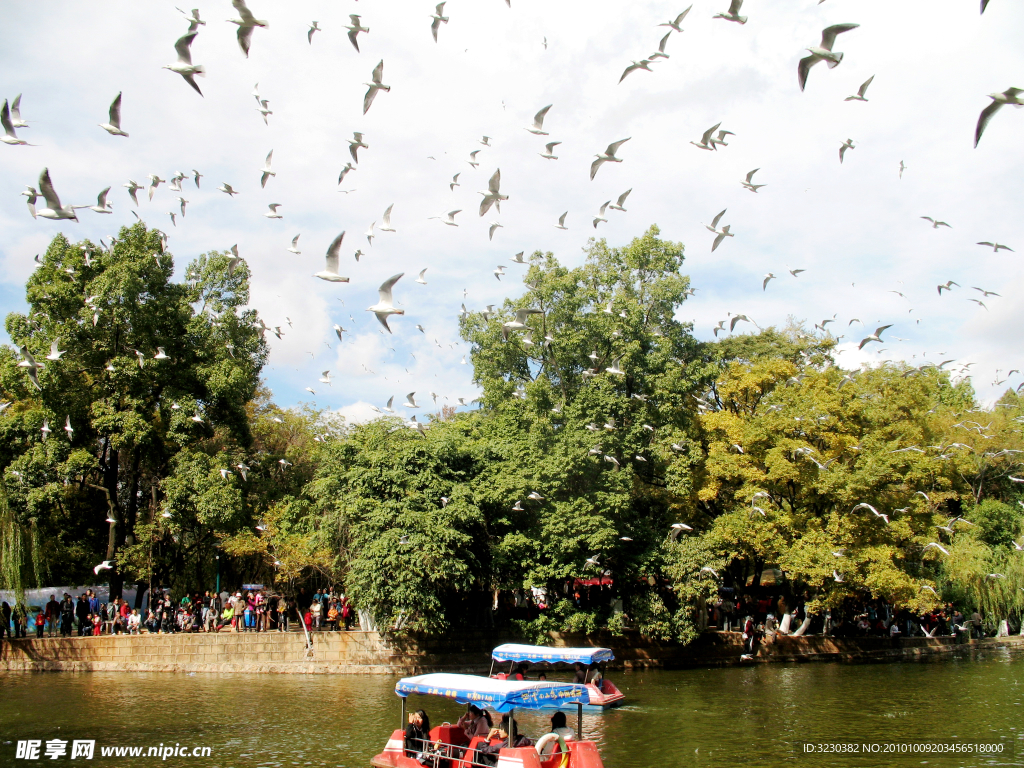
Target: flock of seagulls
(714, 139)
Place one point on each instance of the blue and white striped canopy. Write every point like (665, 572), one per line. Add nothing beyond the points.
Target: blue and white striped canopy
(541, 654)
(498, 695)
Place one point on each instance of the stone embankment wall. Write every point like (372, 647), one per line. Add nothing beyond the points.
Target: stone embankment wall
(369, 653)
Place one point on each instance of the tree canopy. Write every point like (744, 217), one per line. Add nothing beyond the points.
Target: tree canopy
(609, 443)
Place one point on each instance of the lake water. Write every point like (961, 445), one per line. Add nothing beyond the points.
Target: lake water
(742, 716)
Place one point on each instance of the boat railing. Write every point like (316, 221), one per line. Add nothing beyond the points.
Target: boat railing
(460, 753)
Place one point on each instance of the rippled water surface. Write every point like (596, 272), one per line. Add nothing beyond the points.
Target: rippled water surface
(749, 716)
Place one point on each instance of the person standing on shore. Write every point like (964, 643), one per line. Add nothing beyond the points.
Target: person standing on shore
(5, 621)
(67, 615)
(40, 622)
(53, 614)
(82, 614)
(976, 622)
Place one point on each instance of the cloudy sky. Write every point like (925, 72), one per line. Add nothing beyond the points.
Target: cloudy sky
(855, 228)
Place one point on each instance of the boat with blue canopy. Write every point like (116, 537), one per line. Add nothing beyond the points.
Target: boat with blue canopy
(450, 747)
(601, 693)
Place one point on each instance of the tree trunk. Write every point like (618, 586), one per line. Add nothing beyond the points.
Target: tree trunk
(110, 483)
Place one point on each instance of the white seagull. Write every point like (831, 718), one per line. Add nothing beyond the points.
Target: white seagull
(267, 173)
(353, 30)
(246, 24)
(608, 156)
(823, 52)
(376, 85)
(9, 137)
(184, 66)
(859, 96)
(385, 306)
(733, 13)
(1012, 96)
(113, 127)
(548, 153)
(53, 210)
(538, 122)
(330, 271)
(748, 184)
(493, 194)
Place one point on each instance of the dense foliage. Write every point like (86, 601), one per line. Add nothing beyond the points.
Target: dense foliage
(609, 443)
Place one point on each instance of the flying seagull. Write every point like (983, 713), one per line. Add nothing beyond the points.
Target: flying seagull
(267, 173)
(53, 210)
(538, 122)
(721, 235)
(748, 184)
(674, 24)
(549, 151)
(848, 144)
(859, 96)
(876, 336)
(16, 120)
(354, 144)
(823, 52)
(113, 127)
(660, 53)
(102, 206)
(936, 224)
(706, 142)
(733, 14)
(643, 64)
(438, 18)
(608, 156)
(561, 221)
(295, 245)
(353, 31)
(1009, 96)
(996, 247)
(246, 24)
(376, 85)
(9, 137)
(493, 194)
(184, 66)
(314, 27)
(385, 306)
(330, 271)
(617, 206)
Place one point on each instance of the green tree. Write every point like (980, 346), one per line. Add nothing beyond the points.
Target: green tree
(142, 386)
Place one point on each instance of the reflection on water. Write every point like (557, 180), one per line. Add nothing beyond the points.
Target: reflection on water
(740, 716)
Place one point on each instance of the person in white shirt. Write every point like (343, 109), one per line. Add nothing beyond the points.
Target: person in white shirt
(134, 621)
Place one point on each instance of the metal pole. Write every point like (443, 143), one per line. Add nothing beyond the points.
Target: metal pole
(511, 728)
(579, 721)
(217, 557)
(402, 724)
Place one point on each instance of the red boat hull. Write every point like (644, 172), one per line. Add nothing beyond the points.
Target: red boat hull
(581, 754)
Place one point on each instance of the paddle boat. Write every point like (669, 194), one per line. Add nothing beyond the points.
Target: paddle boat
(449, 747)
(601, 696)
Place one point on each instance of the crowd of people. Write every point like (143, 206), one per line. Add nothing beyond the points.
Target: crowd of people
(251, 610)
(766, 616)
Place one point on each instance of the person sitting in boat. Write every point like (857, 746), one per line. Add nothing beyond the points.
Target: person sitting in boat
(520, 672)
(596, 677)
(559, 734)
(417, 734)
(474, 722)
(499, 739)
(580, 677)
